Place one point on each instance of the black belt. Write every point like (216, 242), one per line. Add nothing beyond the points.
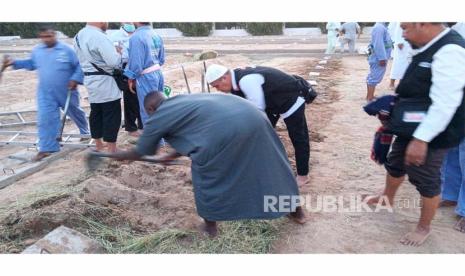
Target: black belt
(97, 74)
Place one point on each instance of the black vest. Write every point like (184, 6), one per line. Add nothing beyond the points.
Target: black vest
(417, 82)
(281, 89)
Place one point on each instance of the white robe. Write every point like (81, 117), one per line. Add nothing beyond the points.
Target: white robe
(459, 27)
(333, 29)
(401, 57)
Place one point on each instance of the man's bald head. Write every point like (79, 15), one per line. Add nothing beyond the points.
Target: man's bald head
(101, 25)
(152, 101)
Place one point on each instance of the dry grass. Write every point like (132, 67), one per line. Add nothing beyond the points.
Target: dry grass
(234, 237)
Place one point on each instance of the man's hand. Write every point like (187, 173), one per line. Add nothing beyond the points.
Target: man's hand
(7, 61)
(400, 45)
(416, 152)
(119, 49)
(382, 63)
(169, 157)
(131, 84)
(72, 85)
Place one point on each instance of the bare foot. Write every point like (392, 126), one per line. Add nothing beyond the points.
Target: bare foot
(375, 200)
(298, 216)
(99, 145)
(447, 203)
(416, 237)
(40, 156)
(134, 133)
(111, 147)
(210, 228)
(302, 180)
(460, 225)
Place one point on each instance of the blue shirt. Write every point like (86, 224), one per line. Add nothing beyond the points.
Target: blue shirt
(145, 50)
(56, 66)
(381, 43)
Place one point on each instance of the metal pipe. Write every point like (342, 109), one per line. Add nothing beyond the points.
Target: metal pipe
(185, 78)
(205, 72)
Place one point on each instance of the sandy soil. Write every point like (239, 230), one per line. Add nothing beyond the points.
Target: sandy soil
(341, 167)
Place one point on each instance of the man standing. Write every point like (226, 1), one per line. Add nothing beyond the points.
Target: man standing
(146, 56)
(351, 31)
(131, 103)
(433, 84)
(275, 93)
(59, 71)
(453, 183)
(401, 55)
(453, 171)
(380, 53)
(237, 159)
(333, 32)
(99, 58)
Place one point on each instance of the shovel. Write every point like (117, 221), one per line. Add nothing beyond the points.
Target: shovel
(65, 111)
(94, 159)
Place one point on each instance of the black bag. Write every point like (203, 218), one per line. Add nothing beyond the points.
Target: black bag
(117, 74)
(305, 89)
(406, 115)
(121, 80)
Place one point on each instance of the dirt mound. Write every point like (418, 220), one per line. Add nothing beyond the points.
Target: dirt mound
(150, 196)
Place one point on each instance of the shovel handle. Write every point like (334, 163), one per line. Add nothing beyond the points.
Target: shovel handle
(65, 112)
(143, 159)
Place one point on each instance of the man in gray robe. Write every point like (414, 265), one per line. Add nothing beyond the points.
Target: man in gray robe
(237, 159)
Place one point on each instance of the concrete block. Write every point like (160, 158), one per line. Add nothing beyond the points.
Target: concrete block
(319, 67)
(233, 32)
(168, 32)
(363, 50)
(207, 55)
(322, 62)
(312, 83)
(367, 30)
(8, 38)
(64, 240)
(313, 74)
(312, 32)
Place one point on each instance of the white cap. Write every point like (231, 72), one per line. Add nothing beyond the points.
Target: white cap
(214, 72)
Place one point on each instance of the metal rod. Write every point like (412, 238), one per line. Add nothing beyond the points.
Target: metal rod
(15, 112)
(20, 117)
(185, 78)
(203, 81)
(14, 137)
(65, 111)
(205, 72)
(18, 124)
(34, 144)
(73, 135)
